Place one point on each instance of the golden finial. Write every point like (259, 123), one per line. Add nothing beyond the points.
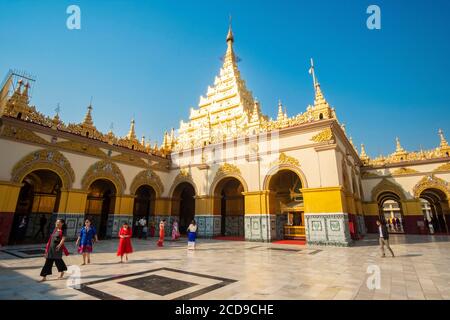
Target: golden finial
(398, 145)
(131, 134)
(230, 36)
(363, 154)
(444, 142)
(280, 111)
(88, 118)
(19, 88)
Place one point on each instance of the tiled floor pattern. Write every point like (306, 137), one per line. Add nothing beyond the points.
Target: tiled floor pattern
(237, 270)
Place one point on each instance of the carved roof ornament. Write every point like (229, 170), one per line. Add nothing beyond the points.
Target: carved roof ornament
(443, 168)
(323, 136)
(431, 182)
(104, 170)
(284, 159)
(147, 177)
(46, 159)
(363, 155)
(386, 185)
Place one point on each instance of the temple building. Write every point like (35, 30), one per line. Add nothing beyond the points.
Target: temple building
(237, 172)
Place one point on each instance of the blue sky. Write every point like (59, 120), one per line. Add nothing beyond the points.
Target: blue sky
(153, 59)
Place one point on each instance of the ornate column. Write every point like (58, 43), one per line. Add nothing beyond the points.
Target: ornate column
(209, 222)
(260, 220)
(326, 216)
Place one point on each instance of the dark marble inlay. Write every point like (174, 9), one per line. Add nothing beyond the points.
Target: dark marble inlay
(33, 251)
(315, 251)
(86, 287)
(285, 249)
(158, 284)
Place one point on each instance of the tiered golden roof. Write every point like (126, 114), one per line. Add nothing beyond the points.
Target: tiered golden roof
(17, 106)
(401, 155)
(229, 110)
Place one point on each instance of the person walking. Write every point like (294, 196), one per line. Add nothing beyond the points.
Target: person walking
(175, 231)
(142, 225)
(125, 246)
(162, 224)
(384, 239)
(42, 224)
(54, 251)
(192, 235)
(85, 241)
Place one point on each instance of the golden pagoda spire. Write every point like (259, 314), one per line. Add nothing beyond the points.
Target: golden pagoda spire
(230, 36)
(88, 118)
(280, 115)
(25, 91)
(131, 134)
(398, 147)
(444, 143)
(322, 109)
(363, 156)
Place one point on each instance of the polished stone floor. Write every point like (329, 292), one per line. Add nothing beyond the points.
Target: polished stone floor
(237, 270)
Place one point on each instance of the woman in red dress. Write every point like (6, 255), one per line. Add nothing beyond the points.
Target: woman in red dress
(161, 233)
(125, 242)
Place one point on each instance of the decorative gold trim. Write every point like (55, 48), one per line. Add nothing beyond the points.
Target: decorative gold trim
(147, 177)
(386, 185)
(443, 168)
(46, 159)
(104, 170)
(227, 169)
(22, 134)
(285, 159)
(431, 182)
(183, 176)
(403, 171)
(81, 147)
(368, 174)
(323, 136)
(130, 159)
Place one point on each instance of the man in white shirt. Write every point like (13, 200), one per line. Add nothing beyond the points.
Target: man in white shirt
(384, 238)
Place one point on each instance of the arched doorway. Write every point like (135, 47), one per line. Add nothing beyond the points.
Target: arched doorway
(288, 204)
(144, 206)
(100, 204)
(435, 208)
(38, 199)
(230, 205)
(184, 205)
(390, 212)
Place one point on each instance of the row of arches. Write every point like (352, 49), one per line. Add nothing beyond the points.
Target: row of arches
(40, 196)
(434, 206)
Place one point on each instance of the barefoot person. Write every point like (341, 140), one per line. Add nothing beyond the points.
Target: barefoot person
(125, 242)
(54, 250)
(192, 235)
(85, 241)
(384, 238)
(175, 231)
(161, 233)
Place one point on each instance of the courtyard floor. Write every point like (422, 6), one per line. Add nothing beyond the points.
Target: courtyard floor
(220, 269)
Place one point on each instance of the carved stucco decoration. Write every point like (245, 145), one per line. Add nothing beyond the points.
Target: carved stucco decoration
(22, 134)
(285, 159)
(147, 177)
(227, 170)
(323, 136)
(403, 171)
(431, 182)
(130, 159)
(386, 185)
(369, 174)
(46, 159)
(81, 147)
(183, 176)
(104, 170)
(443, 168)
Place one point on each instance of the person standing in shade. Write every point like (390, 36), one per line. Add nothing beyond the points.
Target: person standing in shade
(85, 241)
(192, 235)
(125, 246)
(175, 231)
(54, 251)
(42, 224)
(161, 233)
(384, 238)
